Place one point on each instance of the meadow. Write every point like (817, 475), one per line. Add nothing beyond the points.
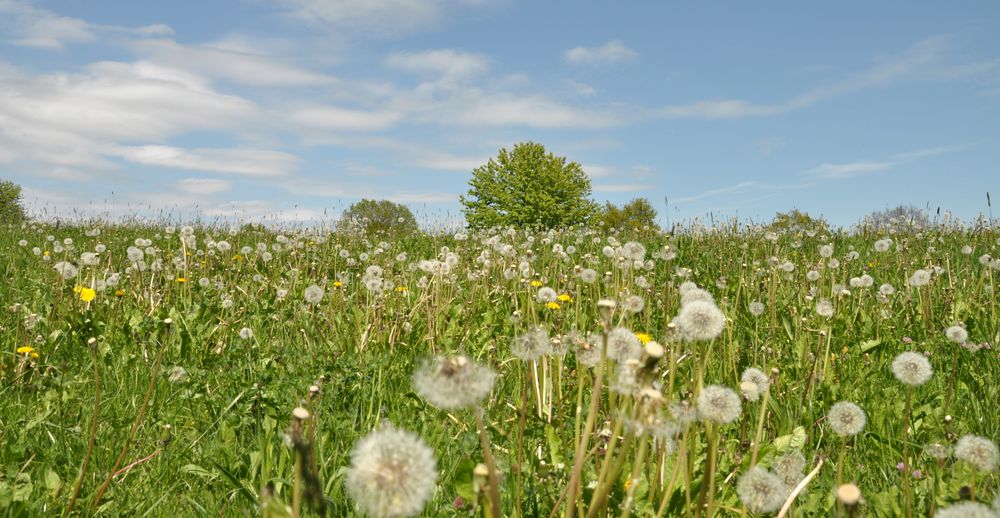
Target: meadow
(151, 370)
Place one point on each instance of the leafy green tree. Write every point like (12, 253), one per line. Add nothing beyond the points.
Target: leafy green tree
(796, 220)
(11, 209)
(527, 187)
(900, 217)
(381, 217)
(637, 215)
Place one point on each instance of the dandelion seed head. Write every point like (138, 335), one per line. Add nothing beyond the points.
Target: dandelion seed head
(978, 451)
(694, 295)
(758, 379)
(451, 383)
(957, 334)
(846, 419)
(719, 404)
(789, 466)
(392, 473)
(965, 510)
(912, 369)
(623, 345)
(313, 294)
(757, 308)
(532, 344)
(761, 491)
(634, 304)
(920, 278)
(700, 320)
(824, 308)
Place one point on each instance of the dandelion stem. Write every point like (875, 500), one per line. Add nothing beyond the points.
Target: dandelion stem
(588, 429)
(484, 442)
(93, 430)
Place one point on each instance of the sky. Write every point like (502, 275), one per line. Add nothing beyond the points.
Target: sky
(291, 110)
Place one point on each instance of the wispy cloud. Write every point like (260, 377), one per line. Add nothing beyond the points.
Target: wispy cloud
(42, 29)
(622, 187)
(715, 192)
(204, 185)
(924, 58)
(448, 63)
(611, 52)
(241, 161)
(839, 171)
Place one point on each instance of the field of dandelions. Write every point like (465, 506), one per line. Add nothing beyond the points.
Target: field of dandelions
(209, 371)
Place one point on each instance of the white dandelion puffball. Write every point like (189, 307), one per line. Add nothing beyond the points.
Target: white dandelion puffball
(313, 294)
(912, 369)
(66, 270)
(824, 308)
(532, 344)
(453, 383)
(634, 304)
(757, 308)
(957, 334)
(920, 278)
(761, 491)
(846, 419)
(758, 379)
(965, 510)
(700, 320)
(978, 451)
(546, 294)
(392, 473)
(623, 345)
(718, 404)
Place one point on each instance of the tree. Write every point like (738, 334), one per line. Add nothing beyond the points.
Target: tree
(796, 221)
(636, 215)
(11, 209)
(901, 217)
(381, 217)
(527, 187)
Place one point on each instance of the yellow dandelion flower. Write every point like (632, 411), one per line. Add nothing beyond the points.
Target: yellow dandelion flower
(77, 288)
(237, 257)
(46, 253)
(552, 305)
(26, 349)
(644, 338)
(565, 298)
(535, 284)
(181, 279)
(87, 294)
(119, 293)
(338, 284)
(34, 355)
(401, 289)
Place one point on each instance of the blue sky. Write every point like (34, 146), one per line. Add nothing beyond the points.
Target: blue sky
(293, 109)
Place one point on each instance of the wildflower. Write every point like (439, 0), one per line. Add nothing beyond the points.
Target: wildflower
(552, 305)
(536, 284)
(181, 280)
(246, 333)
(965, 510)
(911, 368)
(453, 383)
(564, 298)
(761, 491)
(26, 349)
(66, 270)
(846, 418)
(546, 294)
(623, 345)
(718, 404)
(588, 275)
(634, 304)
(757, 308)
(695, 294)
(978, 451)
(392, 473)
(532, 344)
(119, 293)
(700, 320)
(957, 334)
(824, 308)
(920, 278)
(937, 451)
(86, 294)
(758, 380)
(588, 349)
(338, 284)
(644, 338)
(313, 294)
(789, 466)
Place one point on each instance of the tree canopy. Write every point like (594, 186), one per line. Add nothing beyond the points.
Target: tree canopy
(381, 217)
(637, 215)
(527, 187)
(11, 209)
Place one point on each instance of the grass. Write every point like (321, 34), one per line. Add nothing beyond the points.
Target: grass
(194, 419)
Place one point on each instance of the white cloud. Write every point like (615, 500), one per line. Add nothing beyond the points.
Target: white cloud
(475, 107)
(344, 119)
(622, 187)
(204, 185)
(243, 161)
(715, 192)
(43, 29)
(851, 169)
(613, 51)
(241, 66)
(448, 63)
(921, 60)
(380, 17)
